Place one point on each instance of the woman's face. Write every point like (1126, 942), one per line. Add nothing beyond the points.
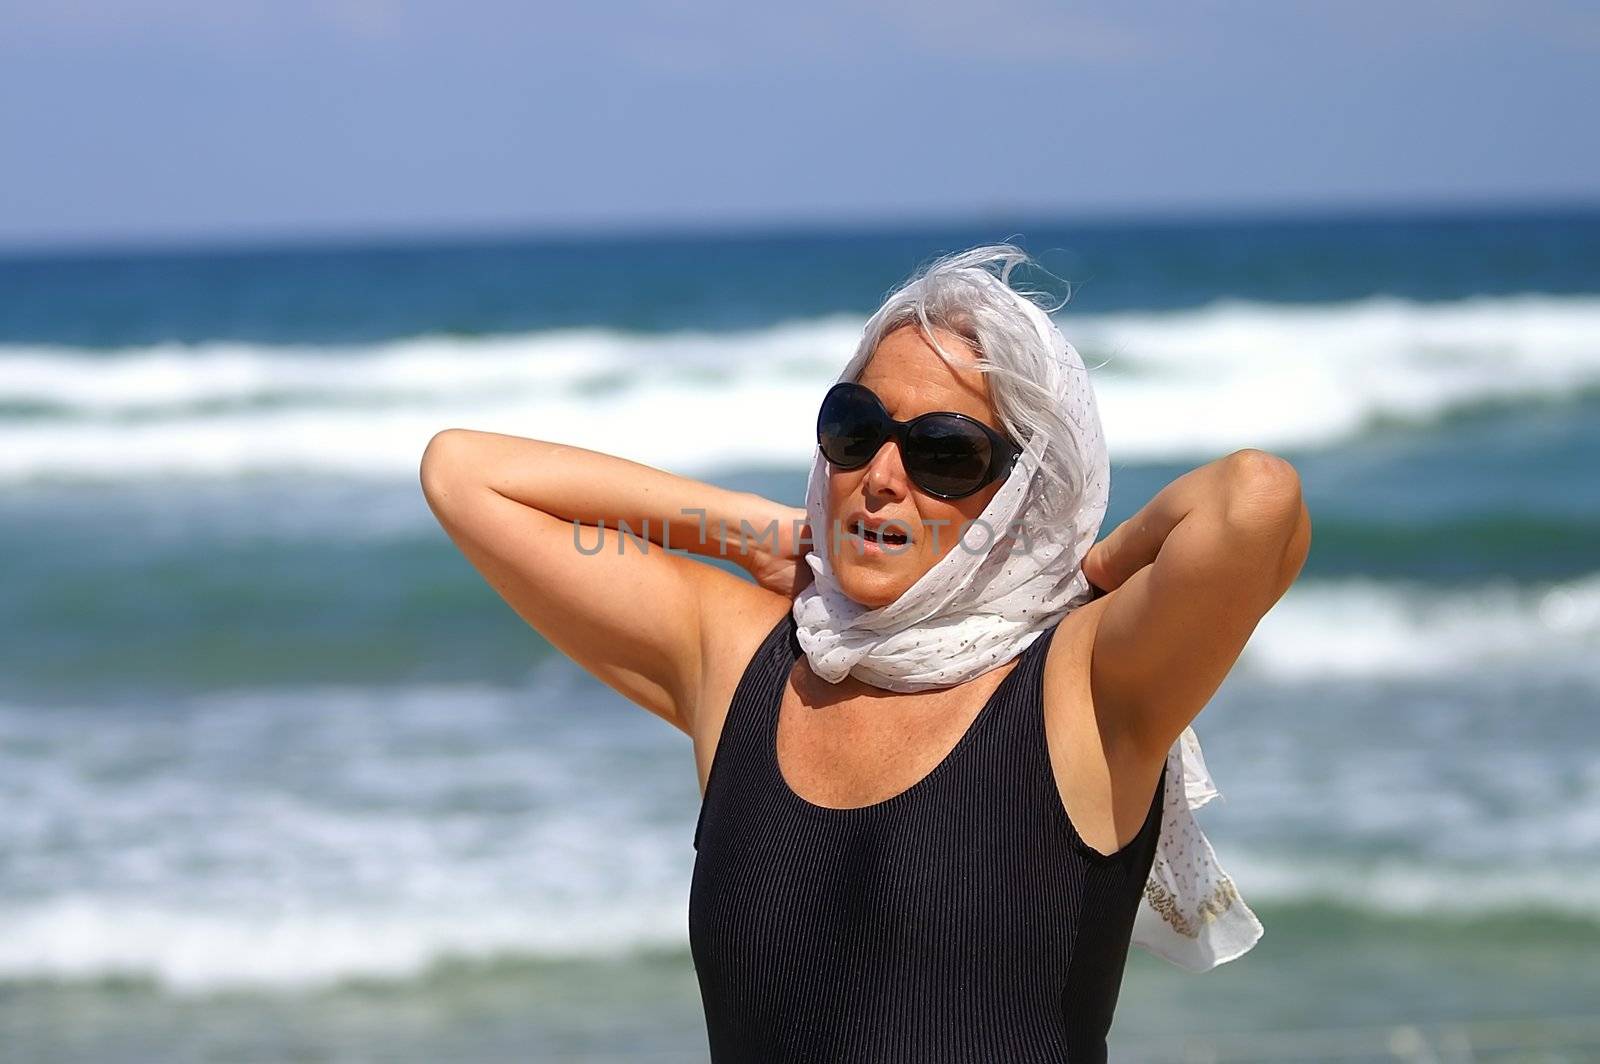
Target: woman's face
(910, 378)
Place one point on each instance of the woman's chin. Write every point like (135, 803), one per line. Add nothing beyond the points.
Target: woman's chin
(874, 583)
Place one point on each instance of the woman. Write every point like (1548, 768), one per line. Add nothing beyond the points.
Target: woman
(943, 736)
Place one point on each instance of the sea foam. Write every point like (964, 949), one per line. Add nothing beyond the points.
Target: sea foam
(1179, 385)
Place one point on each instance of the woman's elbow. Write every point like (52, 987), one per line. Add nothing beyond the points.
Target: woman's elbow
(1263, 492)
(1267, 507)
(444, 463)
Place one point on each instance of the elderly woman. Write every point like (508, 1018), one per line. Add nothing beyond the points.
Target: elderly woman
(942, 735)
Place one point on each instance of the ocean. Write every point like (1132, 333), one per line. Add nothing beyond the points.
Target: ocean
(284, 779)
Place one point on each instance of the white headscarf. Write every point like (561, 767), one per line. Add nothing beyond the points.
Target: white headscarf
(1005, 582)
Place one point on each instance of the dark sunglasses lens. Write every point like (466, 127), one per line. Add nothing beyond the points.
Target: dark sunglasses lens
(948, 456)
(850, 428)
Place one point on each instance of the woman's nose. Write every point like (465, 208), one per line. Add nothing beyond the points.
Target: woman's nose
(885, 474)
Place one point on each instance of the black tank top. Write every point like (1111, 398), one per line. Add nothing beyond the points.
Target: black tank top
(963, 919)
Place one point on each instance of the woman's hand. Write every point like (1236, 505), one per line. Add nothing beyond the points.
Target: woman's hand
(1100, 567)
(1216, 486)
(776, 553)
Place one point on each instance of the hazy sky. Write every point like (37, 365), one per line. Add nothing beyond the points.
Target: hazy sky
(182, 118)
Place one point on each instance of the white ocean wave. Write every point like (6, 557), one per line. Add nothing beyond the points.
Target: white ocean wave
(192, 950)
(1362, 627)
(1190, 384)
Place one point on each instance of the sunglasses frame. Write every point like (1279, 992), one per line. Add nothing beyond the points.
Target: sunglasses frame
(1002, 452)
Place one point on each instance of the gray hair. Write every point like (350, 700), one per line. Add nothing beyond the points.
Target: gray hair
(957, 293)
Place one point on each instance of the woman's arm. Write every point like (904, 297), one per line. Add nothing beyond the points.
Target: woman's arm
(526, 513)
(1193, 572)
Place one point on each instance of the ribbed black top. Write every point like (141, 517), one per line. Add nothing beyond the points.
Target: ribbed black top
(963, 919)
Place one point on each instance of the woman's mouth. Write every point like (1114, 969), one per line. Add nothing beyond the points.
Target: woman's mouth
(875, 539)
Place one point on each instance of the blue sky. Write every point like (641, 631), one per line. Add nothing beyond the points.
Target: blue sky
(180, 118)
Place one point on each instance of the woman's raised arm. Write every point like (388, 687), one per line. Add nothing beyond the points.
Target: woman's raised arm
(1189, 576)
(526, 513)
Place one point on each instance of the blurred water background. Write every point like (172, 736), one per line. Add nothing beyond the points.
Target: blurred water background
(283, 779)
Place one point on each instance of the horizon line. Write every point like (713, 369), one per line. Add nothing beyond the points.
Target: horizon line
(766, 226)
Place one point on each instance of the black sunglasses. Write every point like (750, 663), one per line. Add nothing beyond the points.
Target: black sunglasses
(947, 455)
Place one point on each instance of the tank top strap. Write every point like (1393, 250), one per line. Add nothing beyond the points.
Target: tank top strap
(1019, 709)
(1027, 717)
(750, 715)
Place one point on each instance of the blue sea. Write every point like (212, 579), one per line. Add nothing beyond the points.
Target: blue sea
(284, 779)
